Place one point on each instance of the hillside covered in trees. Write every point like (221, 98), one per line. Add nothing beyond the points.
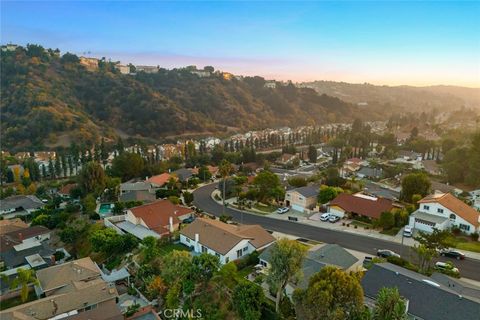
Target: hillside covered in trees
(49, 99)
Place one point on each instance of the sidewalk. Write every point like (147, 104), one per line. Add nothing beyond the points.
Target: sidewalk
(304, 219)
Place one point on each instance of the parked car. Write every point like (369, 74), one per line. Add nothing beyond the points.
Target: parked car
(384, 253)
(446, 266)
(408, 232)
(333, 218)
(283, 210)
(325, 216)
(452, 254)
(188, 220)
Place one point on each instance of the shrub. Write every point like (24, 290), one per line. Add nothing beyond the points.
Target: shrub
(456, 231)
(355, 226)
(59, 255)
(474, 236)
(402, 263)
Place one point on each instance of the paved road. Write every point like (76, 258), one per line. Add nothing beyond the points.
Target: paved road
(469, 268)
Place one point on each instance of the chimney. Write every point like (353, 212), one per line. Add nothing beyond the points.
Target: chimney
(197, 245)
(170, 222)
(20, 236)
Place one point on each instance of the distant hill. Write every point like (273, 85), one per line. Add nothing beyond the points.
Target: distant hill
(50, 100)
(407, 97)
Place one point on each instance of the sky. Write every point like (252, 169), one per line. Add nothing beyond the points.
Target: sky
(388, 43)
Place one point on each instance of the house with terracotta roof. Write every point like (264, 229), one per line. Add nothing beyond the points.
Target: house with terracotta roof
(359, 204)
(443, 211)
(159, 180)
(156, 219)
(226, 241)
(65, 190)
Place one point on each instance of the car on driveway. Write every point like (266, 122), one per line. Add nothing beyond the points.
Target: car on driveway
(384, 253)
(408, 232)
(325, 216)
(283, 210)
(452, 254)
(333, 218)
(446, 266)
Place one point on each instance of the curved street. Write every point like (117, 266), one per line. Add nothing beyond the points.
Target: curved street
(469, 268)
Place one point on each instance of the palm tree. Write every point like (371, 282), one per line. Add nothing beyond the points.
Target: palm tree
(25, 277)
(225, 168)
(390, 305)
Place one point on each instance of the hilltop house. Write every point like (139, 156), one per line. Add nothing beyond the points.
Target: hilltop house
(443, 211)
(359, 204)
(226, 241)
(156, 219)
(302, 199)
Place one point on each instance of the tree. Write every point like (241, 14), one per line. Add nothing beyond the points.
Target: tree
(248, 299)
(149, 249)
(204, 173)
(127, 166)
(176, 266)
(387, 220)
(156, 287)
(225, 168)
(204, 266)
(268, 186)
(297, 182)
(415, 183)
(389, 305)
(312, 154)
(340, 293)
(25, 277)
(327, 193)
(188, 197)
(92, 179)
(286, 261)
(425, 256)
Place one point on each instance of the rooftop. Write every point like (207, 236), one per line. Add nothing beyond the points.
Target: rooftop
(307, 191)
(26, 202)
(455, 205)
(367, 206)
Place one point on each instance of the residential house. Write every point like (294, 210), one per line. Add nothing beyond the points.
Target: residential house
(122, 68)
(287, 158)
(475, 197)
(369, 173)
(443, 211)
(65, 190)
(445, 188)
(212, 169)
(413, 159)
(136, 186)
(427, 298)
(270, 84)
(359, 204)
(137, 195)
(317, 258)
(145, 313)
(156, 219)
(202, 73)
(19, 205)
(74, 291)
(226, 241)
(183, 174)
(147, 69)
(159, 180)
(302, 199)
(352, 165)
(432, 167)
(26, 246)
(12, 225)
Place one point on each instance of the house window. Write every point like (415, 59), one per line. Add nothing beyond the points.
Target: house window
(453, 217)
(464, 227)
(263, 263)
(239, 253)
(188, 240)
(426, 207)
(440, 210)
(227, 259)
(245, 249)
(204, 249)
(217, 254)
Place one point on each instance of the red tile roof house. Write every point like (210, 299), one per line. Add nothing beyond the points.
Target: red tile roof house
(359, 204)
(160, 180)
(156, 219)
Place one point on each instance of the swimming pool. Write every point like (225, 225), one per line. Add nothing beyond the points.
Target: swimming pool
(105, 208)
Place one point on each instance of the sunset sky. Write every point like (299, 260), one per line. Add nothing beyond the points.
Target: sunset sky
(416, 43)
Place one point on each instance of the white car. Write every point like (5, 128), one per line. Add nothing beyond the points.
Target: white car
(333, 218)
(283, 210)
(325, 216)
(408, 232)
(447, 266)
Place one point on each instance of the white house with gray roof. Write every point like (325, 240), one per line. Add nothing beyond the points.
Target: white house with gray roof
(302, 199)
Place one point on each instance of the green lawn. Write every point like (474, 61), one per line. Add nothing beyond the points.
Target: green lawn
(167, 248)
(265, 208)
(361, 224)
(463, 243)
(391, 232)
(5, 304)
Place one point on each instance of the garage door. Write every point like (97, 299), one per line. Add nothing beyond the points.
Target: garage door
(296, 207)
